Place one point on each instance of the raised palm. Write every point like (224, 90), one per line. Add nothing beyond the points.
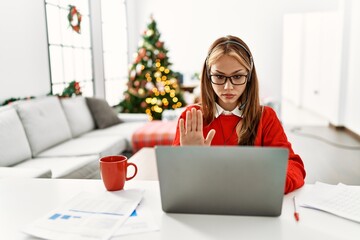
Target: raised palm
(192, 133)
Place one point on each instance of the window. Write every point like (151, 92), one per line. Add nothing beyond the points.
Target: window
(114, 27)
(70, 52)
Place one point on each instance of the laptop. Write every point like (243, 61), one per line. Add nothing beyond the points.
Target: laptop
(226, 180)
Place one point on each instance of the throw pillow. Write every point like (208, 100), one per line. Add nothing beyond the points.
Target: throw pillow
(102, 113)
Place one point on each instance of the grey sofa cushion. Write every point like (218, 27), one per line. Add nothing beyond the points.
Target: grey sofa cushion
(14, 146)
(100, 146)
(78, 115)
(102, 113)
(44, 122)
(125, 130)
(68, 167)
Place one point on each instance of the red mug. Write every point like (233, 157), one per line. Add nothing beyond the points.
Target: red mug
(113, 171)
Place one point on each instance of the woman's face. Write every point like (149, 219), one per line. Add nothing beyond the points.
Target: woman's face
(228, 94)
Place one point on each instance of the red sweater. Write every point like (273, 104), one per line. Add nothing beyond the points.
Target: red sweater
(270, 133)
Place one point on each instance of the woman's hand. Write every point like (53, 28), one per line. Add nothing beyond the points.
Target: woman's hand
(192, 134)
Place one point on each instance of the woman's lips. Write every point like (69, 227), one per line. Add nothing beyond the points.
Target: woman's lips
(228, 96)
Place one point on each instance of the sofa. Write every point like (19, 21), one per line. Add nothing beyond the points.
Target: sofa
(51, 137)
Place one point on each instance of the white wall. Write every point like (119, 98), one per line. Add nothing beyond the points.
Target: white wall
(321, 62)
(24, 65)
(292, 72)
(352, 96)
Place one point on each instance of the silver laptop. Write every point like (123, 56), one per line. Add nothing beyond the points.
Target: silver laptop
(227, 180)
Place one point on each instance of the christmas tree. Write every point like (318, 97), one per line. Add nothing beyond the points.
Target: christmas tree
(153, 86)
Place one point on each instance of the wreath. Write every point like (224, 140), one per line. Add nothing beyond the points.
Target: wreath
(74, 18)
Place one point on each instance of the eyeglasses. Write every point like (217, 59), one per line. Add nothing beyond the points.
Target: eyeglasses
(221, 79)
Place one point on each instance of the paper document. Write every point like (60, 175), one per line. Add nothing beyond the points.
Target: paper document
(341, 200)
(87, 216)
(141, 220)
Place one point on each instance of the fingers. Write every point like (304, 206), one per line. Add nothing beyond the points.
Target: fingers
(182, 131)
(181, 127)
(199, 120)
(210, 137)
(188, 121)
(193, 119)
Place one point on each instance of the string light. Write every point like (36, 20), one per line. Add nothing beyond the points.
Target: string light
(157, 74)
(154, 101)
(141, 91)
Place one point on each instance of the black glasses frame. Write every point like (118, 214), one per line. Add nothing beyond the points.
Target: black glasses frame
(230, 78)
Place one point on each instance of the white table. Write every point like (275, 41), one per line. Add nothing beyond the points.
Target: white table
(145, 160)
(24, 200)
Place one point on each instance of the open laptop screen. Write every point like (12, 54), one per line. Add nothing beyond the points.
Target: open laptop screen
(229, 180)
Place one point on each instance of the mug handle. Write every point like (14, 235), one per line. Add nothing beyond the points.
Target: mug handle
(129, 178)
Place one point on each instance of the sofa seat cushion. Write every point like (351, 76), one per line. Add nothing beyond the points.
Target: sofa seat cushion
(67, 167)
(44, 122)
(14, 146)
(14, 172)
(100, 146)
(124, 129)
(78, 115)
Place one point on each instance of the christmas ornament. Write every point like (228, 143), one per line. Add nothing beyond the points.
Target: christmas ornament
(142, 52)
(161, 55)
(159, 44)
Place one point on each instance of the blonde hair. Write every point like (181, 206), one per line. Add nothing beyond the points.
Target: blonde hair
(236, 48)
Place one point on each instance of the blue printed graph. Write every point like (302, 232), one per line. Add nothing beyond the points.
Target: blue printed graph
(58, 216)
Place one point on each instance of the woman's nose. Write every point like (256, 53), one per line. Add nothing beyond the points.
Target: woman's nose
(228, 85)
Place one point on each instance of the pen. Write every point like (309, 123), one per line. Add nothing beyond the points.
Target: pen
(296, 214)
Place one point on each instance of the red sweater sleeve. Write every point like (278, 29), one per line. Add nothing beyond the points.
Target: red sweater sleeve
(271, 133)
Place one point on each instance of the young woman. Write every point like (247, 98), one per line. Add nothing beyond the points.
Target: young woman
(230, 112)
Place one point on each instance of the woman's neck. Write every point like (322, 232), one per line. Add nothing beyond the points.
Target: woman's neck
(228, 107)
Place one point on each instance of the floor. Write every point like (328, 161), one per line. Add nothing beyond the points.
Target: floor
(329, 155)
